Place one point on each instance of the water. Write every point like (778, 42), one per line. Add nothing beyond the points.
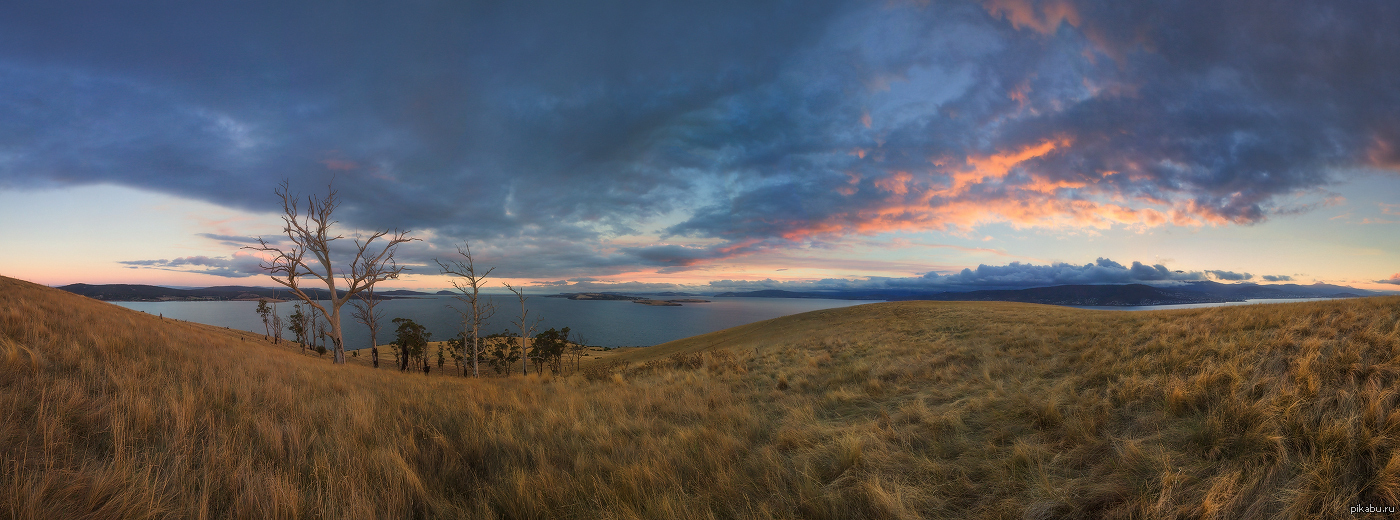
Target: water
(605, 323)
(1194, 305)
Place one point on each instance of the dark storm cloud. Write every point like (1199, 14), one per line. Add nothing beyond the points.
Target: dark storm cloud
(477, 118)
(546, 128)
(1277, 278)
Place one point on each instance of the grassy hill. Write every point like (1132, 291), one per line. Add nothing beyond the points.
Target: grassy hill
(896, 410)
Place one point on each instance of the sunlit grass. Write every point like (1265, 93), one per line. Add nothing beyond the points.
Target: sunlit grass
(901, 410)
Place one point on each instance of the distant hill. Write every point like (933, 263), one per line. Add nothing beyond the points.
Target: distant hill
(155, 293)
(774, 293)
(402, 292)
(1106, 295)
(1246, 291)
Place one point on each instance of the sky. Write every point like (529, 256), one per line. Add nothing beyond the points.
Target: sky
(721, 145)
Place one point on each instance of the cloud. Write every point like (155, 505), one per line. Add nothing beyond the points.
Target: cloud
(238, 241)
(241, 265)
(1393, 280)
(1102, 271)
(1277, 278)
(1231, 276)
(1015, 275)
(730, 127)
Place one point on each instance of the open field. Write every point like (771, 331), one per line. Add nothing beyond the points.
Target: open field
(897, 410)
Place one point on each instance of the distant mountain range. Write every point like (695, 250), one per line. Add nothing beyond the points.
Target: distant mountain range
(1130, 294)
(154, 293)
(1106, 295)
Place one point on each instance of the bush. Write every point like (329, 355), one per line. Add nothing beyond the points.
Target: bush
(603, 371)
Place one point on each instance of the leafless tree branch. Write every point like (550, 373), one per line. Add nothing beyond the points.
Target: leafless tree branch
(309, 231)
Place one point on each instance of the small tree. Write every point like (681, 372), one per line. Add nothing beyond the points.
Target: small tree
(313, 320)
(320, 336)
(500, 351)
(412, 340)
(276, 325)
(549, 349)
(298, 326)
(456, 346)
(525, 324)
(264, 311)
(477, 312)
(310, 233)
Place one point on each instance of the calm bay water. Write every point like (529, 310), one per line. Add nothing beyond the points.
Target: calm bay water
(606, 323)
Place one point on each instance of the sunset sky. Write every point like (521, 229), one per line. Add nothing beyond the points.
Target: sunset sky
(711, 145)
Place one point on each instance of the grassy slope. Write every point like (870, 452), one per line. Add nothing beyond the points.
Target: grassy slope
(886, 410)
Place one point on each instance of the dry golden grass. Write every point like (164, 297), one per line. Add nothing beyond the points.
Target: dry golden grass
(900, 410)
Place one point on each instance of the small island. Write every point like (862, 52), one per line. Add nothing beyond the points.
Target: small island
(633, 299)
(594, 296)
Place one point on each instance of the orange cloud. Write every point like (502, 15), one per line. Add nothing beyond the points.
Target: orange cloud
(1043, 18)
(958, 194)
(997, 166)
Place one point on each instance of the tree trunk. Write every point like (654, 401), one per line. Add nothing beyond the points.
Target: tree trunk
(476, 350)
(336, 337)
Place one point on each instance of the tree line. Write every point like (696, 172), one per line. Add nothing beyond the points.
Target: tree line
(308, 230)
(558, 350)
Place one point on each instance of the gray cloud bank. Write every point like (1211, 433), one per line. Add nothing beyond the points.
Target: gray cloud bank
(240, 266)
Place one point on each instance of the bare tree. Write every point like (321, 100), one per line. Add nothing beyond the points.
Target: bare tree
(365, 308)
(477, 311)
(527, 326)
(310, 234)
(578, 349)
